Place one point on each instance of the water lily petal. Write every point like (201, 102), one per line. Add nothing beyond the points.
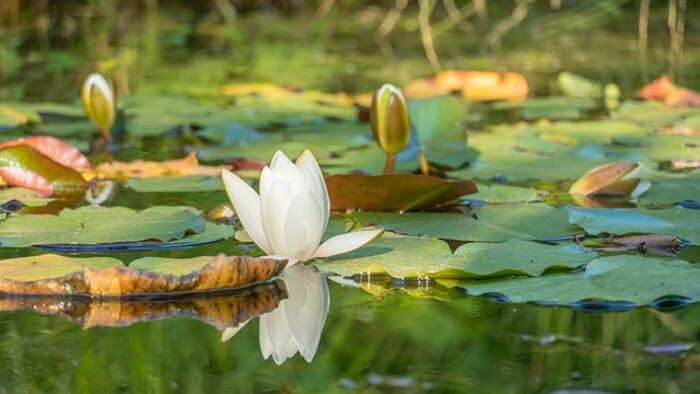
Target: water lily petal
(309, 167)
(275, 199)
(346, 242)
(304, 226)
(246, 202)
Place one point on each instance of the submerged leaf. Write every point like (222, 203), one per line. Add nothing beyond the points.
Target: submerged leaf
(396, 192)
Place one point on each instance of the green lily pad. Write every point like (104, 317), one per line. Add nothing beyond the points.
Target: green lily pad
(551, 107)
(504, 194)
(493, 223)
(681, 222)
(636, 279)
(186, 184)
(439, 123)
(593, 131)
(653, 113)
(93, 225)
(512, 163)
(408, 257)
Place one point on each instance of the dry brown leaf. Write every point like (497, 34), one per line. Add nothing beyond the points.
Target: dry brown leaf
(220, 311)
(221, 274)
(189, 165)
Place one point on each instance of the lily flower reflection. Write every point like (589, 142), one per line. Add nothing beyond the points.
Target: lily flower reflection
(291, 213)
(297, 323)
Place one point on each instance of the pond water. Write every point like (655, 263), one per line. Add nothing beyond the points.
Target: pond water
(366, 333)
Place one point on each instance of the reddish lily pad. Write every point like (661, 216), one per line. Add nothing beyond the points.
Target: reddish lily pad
(56, 149)
(394, 192)
(24, 166)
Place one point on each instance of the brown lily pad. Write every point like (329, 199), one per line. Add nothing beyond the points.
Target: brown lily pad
(221, 310)
(108, 278)
(394, 192)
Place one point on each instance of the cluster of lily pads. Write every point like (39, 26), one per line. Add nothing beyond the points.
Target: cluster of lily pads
(572, 199)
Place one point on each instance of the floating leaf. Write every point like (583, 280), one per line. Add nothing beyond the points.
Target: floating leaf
(189, 165)
(219, 310)
(106, 277)
(472, 85)
(553, 108)
(407, 257)
(672, 95)
(439, 125)
(55, 149)
(92, 225)
(493, 223)
(636, 279)
(681, 222)
(396, 192)
(24, 166)
(186, 184)
(503, 194)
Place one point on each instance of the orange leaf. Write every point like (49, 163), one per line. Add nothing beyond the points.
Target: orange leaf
(189, 165)
(471, 85)
(663, 89)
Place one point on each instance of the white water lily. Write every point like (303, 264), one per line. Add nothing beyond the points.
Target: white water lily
(290, 215)
(297, 323)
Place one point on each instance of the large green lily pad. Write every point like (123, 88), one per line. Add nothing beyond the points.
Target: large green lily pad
(493, 223)
(636, 279)
(93, 225)
(409, 257)
(681, 222)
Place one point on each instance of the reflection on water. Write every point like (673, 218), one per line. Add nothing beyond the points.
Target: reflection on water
(220, 310)
(296, 325)
(391, 341)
